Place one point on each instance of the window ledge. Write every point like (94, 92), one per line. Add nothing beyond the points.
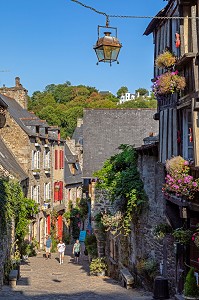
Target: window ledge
(183, 60)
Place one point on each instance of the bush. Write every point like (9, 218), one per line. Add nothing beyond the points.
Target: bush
(190, 286)
(98, 265)
(29, 248)
(91, 245)
(148, 267)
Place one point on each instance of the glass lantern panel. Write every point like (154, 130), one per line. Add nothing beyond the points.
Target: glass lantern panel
(111, 53)
(100, 53)
(115, 53)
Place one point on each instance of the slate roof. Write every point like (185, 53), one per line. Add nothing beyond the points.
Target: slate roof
(24, 118)
(105, 129)
(9, 163)
(154, 23)
(68, 176)
(78, 135)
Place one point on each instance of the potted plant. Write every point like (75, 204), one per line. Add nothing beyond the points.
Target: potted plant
(98, 266)
(191, 290)
(161, 230)
(182, 236)
(165, 60)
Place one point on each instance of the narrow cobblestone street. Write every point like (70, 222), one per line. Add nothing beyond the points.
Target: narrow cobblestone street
(43, 279)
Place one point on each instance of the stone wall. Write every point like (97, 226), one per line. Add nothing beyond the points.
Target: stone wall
(142, 245)
(5, 242)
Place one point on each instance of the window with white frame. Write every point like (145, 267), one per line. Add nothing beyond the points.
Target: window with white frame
(187, 142)
(35, 159)
(35, 193)
(47, 191)
(46, 157)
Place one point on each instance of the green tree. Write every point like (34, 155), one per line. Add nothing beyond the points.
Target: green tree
(190, 288)
(142, 91)
(121, 91)
(49, 113)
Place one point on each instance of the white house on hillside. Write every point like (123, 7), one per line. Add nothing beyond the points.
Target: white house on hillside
(126, 97)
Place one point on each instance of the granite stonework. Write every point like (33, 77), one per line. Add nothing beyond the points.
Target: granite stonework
(141, 244)
(5, 241)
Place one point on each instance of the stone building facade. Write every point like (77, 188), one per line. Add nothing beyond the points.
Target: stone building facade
(9, 169)
(40, 152)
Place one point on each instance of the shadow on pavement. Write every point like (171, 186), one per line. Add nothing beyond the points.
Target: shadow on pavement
(74, 296)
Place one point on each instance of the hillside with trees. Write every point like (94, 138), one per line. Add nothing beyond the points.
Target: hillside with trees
(62, 104)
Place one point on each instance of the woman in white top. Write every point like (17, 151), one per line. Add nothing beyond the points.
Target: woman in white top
(61, 248)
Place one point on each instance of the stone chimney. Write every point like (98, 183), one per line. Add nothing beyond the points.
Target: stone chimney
(18, 92)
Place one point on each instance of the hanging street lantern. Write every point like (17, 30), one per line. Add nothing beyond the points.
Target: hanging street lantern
(107, 47)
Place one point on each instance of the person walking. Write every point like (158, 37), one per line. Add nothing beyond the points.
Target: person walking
(48, 246)
(61, 248)
(77, 250)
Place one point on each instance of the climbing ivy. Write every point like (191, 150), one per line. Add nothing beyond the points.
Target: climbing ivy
(15, 207)
(120, 178)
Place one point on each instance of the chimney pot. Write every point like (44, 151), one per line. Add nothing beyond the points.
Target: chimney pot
(17, 81)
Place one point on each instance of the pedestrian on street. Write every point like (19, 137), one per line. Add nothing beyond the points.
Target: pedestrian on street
(61, 248)
(48, 246)
(77, 250)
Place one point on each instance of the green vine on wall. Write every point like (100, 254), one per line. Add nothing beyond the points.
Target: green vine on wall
(15, 207)
(121, 179)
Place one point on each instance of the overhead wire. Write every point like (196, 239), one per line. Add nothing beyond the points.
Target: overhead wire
(133, 17)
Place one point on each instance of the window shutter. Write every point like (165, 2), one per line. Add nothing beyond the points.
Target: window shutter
(60, 159)
(56, 159)
(56, 192)
(61, 190)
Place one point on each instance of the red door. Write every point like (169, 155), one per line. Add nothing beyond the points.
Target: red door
(60, 227)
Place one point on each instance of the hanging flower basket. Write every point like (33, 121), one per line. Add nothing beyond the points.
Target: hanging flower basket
(178, 181)
(165, 60)
(195, 236)
(169, 83)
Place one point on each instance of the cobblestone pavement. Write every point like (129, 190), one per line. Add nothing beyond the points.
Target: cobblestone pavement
(43, 279)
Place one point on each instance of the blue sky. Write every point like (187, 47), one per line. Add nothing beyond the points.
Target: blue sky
(50, 41)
